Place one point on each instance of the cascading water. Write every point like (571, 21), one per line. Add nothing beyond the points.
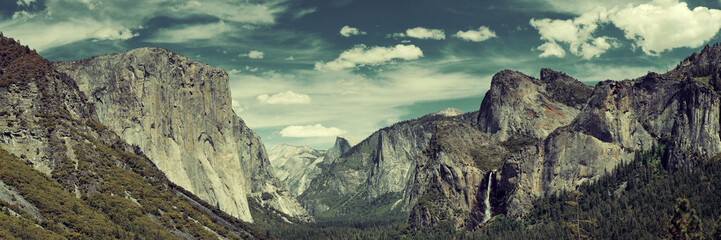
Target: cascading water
(487, 215)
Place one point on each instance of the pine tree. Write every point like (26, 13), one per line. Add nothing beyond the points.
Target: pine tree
(685, 223)
(716, 234)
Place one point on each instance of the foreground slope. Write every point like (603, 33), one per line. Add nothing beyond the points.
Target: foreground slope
(70, 175)
(179, 113)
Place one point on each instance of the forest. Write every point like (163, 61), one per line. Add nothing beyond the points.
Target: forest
(637, 200)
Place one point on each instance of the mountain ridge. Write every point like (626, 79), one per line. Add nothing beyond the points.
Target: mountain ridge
(179, 112)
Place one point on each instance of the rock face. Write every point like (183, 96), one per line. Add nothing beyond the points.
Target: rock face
(619, 119)
(178, 112)
(295, 166)
(298, 166)
(373, 178)
(33, 96)
(521, 106)
(538, 136)
(341, 146)
(451, 177)
(47, 122)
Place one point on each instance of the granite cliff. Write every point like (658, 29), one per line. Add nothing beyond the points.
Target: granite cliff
(531, 138)
(75, 177)
(178, 112)
(374, 178)
(298, 166)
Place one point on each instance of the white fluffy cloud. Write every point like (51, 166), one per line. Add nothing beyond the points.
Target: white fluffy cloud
(284, 98)
(655, 27)
(667, 24)
(423, 33)
(481, 34)
(361, 55)
(576, 33)
(551, 49)
(316, 130)
(348, 31)
(253, 54)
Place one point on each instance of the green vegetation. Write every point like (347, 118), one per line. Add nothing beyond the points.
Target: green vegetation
(102, 191)
(637, 200)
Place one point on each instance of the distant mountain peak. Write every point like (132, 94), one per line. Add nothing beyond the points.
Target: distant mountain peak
(450, 112)
(703, 64)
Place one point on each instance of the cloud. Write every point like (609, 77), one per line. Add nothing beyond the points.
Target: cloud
(237, 107)
(42, 37)
(551, 49)
(258, 13)
(422, 33)
(356, 103)
(577, 33)
(189, 32)
(575, 7)
(361, 55)
(253, 54)
(284, 98)
(654, 27)
(667, 24)
(482, 34)
(347, 31)
(233, 71)
(316, 130)
(52, 23)
(303, 12)
(25, 2)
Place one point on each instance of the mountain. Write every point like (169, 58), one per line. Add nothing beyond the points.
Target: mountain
(295, 166)
(65, 175)
(298, 166)
(450, 112)
(373, 177)
(531, 138)
(520, 106)
(178, 112)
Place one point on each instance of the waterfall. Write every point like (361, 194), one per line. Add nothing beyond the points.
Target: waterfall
(487, 215)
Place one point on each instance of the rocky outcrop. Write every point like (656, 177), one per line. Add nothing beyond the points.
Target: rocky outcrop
(298, 166)
(34, 101)
(341, 146)
(620, 119)
(520, 106)
(47, 122)
(451, 178)
(295, 166)
(374, 178)
(178, 112)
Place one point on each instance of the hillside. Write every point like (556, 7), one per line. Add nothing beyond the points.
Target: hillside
(64, 172)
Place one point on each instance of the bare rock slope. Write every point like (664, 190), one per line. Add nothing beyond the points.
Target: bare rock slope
(178, 112)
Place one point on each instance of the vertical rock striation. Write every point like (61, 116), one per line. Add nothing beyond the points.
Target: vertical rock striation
(520, 106)
(179, 113)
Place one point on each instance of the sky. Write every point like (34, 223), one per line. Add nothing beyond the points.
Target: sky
(305, 71)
